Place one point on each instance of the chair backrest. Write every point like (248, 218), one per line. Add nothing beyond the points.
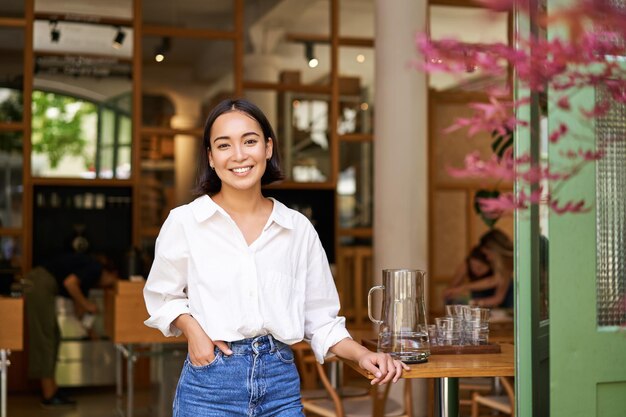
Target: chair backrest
(371, 404)
(507, 384)
(496, 402)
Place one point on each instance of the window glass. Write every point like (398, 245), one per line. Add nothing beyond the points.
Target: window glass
(11, 74)
(356, 18)
(184, 77)
(11, 180)
(13, 8)
(217, 15)
(355, 187)
(356, 90)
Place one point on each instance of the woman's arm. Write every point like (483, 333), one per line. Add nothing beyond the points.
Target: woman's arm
(498, 297)
(455, 286)
(381, 365)
(460, 275)
(481, 284)
(72, 285)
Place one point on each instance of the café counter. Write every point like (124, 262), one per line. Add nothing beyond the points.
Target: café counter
(11, 338)
(125, 313)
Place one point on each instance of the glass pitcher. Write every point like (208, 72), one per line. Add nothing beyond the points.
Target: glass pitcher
(402, 332)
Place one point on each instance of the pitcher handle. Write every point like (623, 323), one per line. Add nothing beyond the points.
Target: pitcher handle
(369, 303)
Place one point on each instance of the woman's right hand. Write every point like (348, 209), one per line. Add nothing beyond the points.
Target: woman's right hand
(202, 349)
(200, 346)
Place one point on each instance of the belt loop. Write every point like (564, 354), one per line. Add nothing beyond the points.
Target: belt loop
(272, 344)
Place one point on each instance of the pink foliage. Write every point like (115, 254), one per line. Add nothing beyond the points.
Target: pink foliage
(586, 58)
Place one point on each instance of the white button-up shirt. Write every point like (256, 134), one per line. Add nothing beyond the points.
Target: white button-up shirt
(281, 284)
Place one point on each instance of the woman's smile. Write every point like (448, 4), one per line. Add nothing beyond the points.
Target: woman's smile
(241, 170)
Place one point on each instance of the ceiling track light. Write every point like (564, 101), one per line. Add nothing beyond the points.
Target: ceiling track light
(310, 56)
(55, 33)
(162, 49)
(118, 41)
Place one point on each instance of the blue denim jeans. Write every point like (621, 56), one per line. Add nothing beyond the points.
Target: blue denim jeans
(259, 379)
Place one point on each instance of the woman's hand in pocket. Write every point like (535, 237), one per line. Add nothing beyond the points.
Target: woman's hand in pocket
(201, 347)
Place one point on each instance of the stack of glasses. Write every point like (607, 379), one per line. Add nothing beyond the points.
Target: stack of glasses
(463, 325)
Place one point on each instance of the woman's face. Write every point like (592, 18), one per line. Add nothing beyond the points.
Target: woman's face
(478, 267)
(238, 151)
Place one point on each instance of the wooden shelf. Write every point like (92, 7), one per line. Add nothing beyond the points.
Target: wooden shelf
(356, 232)
(292, 185)
(169, 131)
(82, 182)
(357, 137)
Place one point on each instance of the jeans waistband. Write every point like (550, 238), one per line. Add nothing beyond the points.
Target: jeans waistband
(259, 344)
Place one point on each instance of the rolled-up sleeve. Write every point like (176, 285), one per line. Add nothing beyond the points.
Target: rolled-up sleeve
(322, 325)
(165, 292)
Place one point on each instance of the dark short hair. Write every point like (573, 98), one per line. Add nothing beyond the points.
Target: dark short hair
(498, 241)
(478, 254)
(208, 181)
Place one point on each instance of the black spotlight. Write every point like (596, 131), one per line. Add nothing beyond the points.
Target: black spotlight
(162, 49)
(310, 55)
(119, 38)
(55, 33)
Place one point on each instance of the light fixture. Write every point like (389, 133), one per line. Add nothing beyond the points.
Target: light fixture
(360, 58)
(162, 49)
(310, 57)
(119, 38)
(55, 33)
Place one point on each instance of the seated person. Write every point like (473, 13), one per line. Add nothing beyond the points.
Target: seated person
(487, 273)
(470, 278)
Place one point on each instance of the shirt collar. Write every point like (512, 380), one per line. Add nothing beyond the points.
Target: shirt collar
(280, 215)
(204, 207)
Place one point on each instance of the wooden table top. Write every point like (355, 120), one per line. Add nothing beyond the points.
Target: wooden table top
(12, 329)
(125, 313)
(457, 366)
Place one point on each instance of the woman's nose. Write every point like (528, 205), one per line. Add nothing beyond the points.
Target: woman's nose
(239, 153)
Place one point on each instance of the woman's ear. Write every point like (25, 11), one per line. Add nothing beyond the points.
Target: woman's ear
(269, 148)
(209, 157)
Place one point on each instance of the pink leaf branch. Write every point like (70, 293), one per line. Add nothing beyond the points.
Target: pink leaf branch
(508, 202)
(588, 58)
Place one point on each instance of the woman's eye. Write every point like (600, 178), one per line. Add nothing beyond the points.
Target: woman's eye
(222, 146)
(251, 142)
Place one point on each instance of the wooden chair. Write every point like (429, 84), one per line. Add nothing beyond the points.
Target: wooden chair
(468, 386)
(374, 404)
(502, 403)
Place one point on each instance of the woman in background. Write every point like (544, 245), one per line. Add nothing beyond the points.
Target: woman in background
(486, 274)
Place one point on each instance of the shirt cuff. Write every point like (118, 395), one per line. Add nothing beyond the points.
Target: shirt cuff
(327, 337)
(164, 317)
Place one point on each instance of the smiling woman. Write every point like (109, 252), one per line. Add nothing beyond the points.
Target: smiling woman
(244, 277)
(235, 130)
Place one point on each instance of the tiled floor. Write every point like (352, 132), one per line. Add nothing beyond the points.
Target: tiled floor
(101, 402)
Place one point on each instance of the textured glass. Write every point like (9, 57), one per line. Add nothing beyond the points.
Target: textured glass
(355, 187)
(611, 214)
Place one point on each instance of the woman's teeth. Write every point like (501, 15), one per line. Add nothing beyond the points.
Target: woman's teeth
(241, 170)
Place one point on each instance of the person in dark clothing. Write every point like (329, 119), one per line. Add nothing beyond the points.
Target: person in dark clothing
(487, 273)
(70, 275)
(469, 278)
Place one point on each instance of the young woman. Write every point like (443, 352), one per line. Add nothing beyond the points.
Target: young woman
(243, 277)
(473, 276)
(487, 273)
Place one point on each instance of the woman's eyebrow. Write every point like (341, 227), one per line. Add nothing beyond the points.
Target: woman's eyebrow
(226, 137)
